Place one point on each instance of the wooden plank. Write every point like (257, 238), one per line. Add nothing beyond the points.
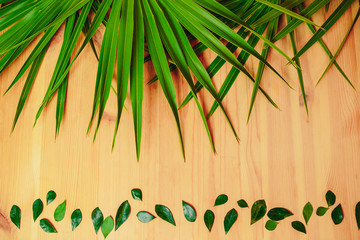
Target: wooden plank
(283, 157)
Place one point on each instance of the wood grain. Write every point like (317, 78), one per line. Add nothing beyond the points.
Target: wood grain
(283, 156)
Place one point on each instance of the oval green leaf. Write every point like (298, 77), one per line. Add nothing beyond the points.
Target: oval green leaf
(242, 203)
(271, 225)
(76, 218)
(107, 226)
(189, 212)
(307, 212)
(136, 194)
(145, 217)
(122, 214)
(164, 213)
(59, 213)
(50, 197)
(230, 219)
(337, 215)
(47, 226)
(15, 215)
(321, 211)
(357, 214)
(37, 208)
(258, 211)
(209, 218)
(299, 226)
(330, 198)
(97, 219)
(277, 214)
(221, 199)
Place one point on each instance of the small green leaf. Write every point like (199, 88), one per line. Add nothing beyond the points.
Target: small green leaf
(258, 211)
(37, 207)
(330, 198)
(164, 213)
(307, 212)
(271, 225)
(145, 217)
(50, 196)
(321, 211)
(47, 226)
(59, 213)
(221, 199)
(277, 214)
(97, 219)
(136, 194)
(337, 215)
(189, 212)
(15, 215)
(209, 218)
(242, 203)
(299, 226)
(122, 214)
(357, 214)
(76, 218)
(107, 226)
(230, 219)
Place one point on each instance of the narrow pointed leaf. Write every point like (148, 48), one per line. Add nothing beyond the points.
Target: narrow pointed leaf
(307, 212)
(230, 219)
(277, 214)
(145, 217)
(337, 215)
(299, 226)
(37, 207)
(76, 218)
(189, 212)
(97, 219)
(59, 213)
(209, 218)
(258, 211)
(15, 215)
(122, 214)
(47, 226)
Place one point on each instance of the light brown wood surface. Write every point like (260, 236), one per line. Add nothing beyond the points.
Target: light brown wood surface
(283, 156)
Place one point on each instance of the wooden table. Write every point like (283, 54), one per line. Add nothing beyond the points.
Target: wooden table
(283, 156)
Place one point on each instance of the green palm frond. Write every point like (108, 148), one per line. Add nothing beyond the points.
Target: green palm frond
(172, 32)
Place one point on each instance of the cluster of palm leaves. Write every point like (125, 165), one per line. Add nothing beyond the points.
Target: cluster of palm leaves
(169, 33)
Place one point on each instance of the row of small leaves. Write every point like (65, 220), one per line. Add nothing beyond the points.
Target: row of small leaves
(258, 211)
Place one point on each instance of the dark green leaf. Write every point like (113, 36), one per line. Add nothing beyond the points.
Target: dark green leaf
(37, 207)
(221, 199)
(230, 219)
(47, 226)
(242, 203)
(271, 225)
(189, 212)
(136, 194)
(321, 211)
(164, 213)
(307, 212)
(209, 218)
(330, 198)
(59, 213)
(258, 211)
(337, 215)
(76, 218)
(107, 226)
(357, 214)
(145, 217)
(299, 226)
(97, 219)
(50, 196)
(277, 214)
(15, 215)
(122, 214)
